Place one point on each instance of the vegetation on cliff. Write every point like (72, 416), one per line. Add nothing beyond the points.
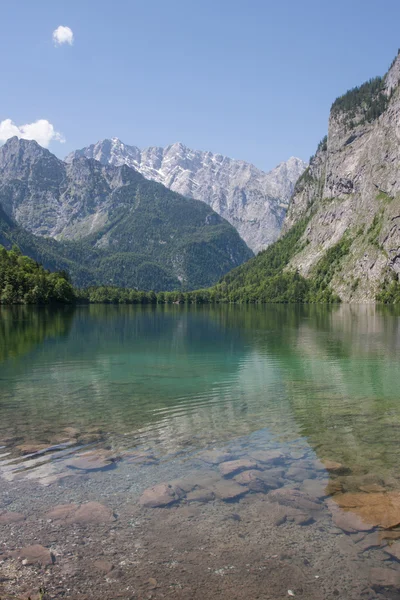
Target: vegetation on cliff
(364, 103)
(390, 291)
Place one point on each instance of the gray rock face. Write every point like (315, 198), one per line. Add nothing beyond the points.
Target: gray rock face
(132, 231)
(351, 190)
(51, 198)
(253, 201)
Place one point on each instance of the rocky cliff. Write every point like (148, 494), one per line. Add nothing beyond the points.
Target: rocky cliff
(253, 201)
(350, 193)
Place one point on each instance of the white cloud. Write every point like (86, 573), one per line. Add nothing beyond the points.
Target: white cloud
(63, 35)
(42, 131)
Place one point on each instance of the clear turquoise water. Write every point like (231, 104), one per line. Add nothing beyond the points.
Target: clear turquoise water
(101, 403)
(172, 379)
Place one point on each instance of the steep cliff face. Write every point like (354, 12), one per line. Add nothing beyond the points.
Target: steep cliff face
(253, 201)
(351, 192)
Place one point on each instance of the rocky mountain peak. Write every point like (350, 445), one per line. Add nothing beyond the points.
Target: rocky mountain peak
(253, 201)
(18, 157)
(23, 149)
(131, 231)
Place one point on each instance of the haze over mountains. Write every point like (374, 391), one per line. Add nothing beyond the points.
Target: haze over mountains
(253, 201)
(111, 224)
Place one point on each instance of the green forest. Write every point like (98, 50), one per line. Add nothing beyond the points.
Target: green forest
(24, 281)
(265, 278)
(262, 279)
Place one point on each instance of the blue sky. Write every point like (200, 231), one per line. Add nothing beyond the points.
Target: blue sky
(252, 80)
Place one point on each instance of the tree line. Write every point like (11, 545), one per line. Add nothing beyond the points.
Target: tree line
(263, 279)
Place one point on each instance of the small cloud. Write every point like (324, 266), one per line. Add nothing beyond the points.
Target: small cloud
(42, 131)
(63, 35)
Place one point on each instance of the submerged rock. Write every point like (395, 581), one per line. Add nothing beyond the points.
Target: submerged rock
(267, 456)
(394, 550)
(335, 467)
(32, 447)
(349, 522)
(384, 578)
(389, 535)
(89, 513)
(214, 457)
(315, 488)
(141, 458)
(334, 486)
(256, 481)
(377, 509)
(235, 466)
(200, 495)
(93, 460)
(161, 495)
(372, 487)
(34, 555)
(299, 474)
(11, 517)
(103, 566)
(229, 490)
(369, 541)
(294, 498)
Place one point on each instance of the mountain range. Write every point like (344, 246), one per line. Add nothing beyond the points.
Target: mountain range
(106, 223)
(253, 201)
(109, 224)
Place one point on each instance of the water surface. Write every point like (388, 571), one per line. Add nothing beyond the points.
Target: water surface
(165, 383)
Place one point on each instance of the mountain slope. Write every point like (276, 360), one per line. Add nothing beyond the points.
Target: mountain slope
(254, 202)
(348, 202)
(120, 227)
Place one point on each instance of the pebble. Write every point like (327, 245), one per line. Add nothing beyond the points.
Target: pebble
(103, 566)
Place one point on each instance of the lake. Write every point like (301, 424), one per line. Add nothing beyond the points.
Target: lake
(200, 452)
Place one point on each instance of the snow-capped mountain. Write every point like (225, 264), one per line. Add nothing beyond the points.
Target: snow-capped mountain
(253, 201)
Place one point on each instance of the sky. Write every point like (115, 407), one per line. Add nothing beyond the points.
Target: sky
(252, 80)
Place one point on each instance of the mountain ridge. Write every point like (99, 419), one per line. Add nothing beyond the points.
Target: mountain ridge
(253, 201)
(133, 232)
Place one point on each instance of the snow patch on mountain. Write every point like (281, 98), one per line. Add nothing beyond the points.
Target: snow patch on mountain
(253, 201)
